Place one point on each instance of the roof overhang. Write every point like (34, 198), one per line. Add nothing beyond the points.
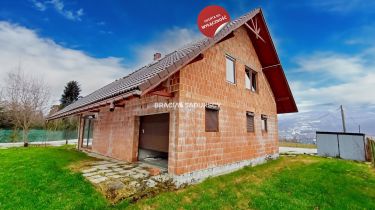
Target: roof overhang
(95, 106)
(271, 65)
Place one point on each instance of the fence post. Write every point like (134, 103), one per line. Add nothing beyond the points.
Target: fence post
(372, 148)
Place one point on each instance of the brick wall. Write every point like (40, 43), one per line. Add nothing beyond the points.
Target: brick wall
(116, 133)
(205, 82)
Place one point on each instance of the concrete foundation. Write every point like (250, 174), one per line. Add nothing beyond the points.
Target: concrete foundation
(198, 176)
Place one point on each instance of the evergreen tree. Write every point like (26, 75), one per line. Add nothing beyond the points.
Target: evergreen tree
(70, 94)
(5, 121)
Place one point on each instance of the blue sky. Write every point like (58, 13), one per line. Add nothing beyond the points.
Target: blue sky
(113, 28)
(326, 46)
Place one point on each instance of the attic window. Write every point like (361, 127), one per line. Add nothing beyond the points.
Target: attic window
(251, 79)
(230, 69)
(212, 118)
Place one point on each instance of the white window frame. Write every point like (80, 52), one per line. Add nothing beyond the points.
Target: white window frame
(249, 79)
(233, 60)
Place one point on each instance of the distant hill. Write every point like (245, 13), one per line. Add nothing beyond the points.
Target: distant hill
(301, 127)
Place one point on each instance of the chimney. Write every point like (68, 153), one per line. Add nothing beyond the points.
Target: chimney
(157, 56)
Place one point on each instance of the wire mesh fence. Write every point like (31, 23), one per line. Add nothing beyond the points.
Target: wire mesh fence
(36, 135)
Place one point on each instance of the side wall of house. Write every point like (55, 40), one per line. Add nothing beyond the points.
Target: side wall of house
(116, 133)
(204, 81)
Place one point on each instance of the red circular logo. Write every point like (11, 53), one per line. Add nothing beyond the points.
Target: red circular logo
(212, 19)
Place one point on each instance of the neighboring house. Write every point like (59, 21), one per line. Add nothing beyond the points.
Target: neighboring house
(238, 78)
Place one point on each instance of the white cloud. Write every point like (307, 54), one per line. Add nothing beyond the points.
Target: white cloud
(343, 79)
(354, 92)
(69, 14)
(101, 23)
(55, 63)
(58, 64)
(165, 42)
(59, 6)
(105, 32)
(39, 5)
(354, 41)
(342, 67)
(342, 6)
(337, 79)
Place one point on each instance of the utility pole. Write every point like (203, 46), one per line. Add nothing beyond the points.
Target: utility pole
(343, 119)
(359, 128)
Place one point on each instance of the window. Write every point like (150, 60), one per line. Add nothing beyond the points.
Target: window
(212, 118)
(250, 121)
(88, 129)
(264, 123)
(251, 79)
(230, 69)
(247, 79)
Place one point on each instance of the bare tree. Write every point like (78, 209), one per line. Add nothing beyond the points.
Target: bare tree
(25, 98)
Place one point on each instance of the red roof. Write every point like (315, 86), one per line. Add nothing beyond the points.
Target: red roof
(272, 67)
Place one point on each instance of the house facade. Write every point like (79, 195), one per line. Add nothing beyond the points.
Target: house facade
(208, 108)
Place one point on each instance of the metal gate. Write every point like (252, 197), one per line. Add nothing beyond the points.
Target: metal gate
(350, 146)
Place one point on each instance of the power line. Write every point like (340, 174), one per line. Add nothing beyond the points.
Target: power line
(330, 113)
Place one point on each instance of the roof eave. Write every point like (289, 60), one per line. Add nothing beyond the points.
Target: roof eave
(94, 105)
(276, 66)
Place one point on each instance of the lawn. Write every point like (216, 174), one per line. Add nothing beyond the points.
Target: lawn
(40, 178)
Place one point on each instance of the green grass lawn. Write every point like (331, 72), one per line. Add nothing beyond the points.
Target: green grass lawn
(40, 178)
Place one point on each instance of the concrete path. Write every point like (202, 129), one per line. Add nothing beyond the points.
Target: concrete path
(48, 143)
(295, 150)
(119, 180)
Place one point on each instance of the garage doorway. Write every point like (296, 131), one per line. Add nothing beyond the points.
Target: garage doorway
(154, 139)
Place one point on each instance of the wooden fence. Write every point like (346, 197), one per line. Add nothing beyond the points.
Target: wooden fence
(371, 143)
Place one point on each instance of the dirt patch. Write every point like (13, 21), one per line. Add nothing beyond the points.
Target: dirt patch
(81, 165)
(134, 189)
(118, 180)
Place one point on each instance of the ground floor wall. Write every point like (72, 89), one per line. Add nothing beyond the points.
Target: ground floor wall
(116, 134)
(199, 150)
(191, 148)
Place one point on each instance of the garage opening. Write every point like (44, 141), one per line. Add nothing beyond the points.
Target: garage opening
(154, 139)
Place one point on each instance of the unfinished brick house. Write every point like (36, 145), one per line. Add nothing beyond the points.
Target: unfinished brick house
(236, 75)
